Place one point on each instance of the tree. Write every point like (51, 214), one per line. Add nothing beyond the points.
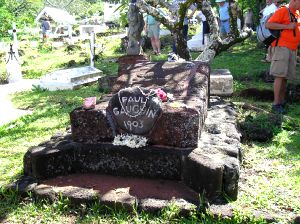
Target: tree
(82, 8)
(19, 11)
(174, 22)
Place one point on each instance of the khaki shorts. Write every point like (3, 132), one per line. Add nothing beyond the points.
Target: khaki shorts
(153, 31)
(283, 63)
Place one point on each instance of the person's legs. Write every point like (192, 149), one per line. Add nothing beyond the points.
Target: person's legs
(185, 31)
(157, 44)
(280, 68)
(282, 91)
(225, 27)
(156, 39)
(279, 90)
(174, 49)
(153, 44)
(151, 35)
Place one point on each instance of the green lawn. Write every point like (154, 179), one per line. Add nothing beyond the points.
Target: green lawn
(270, 172)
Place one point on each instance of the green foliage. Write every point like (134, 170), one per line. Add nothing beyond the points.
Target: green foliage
(5, 20)
(45, 47)
(21, 12)
(246, 54)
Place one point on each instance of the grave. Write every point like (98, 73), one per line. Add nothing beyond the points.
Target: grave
(73, 78)
(13, 67)
(137, 137)
(221, 82)
(69, 78)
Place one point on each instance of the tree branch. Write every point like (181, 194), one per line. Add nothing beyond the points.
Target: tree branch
(141, 4)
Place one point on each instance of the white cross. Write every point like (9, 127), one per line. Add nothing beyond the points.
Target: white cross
(14, 33)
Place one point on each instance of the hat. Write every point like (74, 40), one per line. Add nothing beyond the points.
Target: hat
(217, 1)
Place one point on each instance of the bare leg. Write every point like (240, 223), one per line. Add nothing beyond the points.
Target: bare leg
(283, 91)
(153, 43)
(279, 88)
(157, 44)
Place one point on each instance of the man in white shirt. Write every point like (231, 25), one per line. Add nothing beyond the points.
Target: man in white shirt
(176, 6)
(271, 7)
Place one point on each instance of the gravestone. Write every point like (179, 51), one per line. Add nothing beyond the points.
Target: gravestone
(134, 110)
(69, 78)
(181, 145)
(221, 82)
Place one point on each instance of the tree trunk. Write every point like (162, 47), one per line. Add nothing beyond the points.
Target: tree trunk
(175, 25)
(135, 28)
(181, 45)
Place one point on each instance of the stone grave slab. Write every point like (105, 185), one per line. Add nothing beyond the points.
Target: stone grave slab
(177, 123)
(213, 166)
(134, 110)
(70, 78)
(186, 141)
(221, 82)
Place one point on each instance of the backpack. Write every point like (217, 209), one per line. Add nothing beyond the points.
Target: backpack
(267, 36)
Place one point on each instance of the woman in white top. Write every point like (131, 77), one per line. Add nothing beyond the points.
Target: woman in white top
(205, 26)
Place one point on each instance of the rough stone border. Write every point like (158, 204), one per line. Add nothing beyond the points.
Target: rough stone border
(226, 147)
(117, 199)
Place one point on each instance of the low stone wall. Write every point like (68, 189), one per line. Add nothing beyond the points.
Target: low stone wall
(212, 167)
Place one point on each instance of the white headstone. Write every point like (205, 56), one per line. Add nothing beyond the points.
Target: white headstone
(13, 68)
(70, 78)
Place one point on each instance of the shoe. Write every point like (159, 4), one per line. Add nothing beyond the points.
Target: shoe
(265, 61)
(283, 104)
(278, 108)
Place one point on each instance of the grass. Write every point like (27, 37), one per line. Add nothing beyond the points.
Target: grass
(270, 173)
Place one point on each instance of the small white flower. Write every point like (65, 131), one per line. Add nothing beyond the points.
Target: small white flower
(157, 100)
(131, 141)
(170, 96)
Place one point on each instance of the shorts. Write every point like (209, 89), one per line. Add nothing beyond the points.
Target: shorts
(46, 33)
(283, 62)
(225, 27)
(153, 31)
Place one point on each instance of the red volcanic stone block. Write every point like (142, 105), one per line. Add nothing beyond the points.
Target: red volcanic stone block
(133, 107)
(177, 127)
(91, 126)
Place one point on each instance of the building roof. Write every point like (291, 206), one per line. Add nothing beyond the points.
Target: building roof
(57, 15)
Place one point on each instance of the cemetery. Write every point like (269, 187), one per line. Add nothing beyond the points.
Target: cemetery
(96, 130)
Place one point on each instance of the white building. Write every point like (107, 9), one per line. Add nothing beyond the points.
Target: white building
(110, 13)
(61, 21)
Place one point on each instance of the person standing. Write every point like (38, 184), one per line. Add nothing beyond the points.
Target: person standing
(205, 27)
(152, 27)
(284, 53)
(176, 5)
(45, 28)
(249, 18)
(271, 7)
(224, 17)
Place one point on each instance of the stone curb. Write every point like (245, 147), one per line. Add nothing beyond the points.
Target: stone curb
(116, 199)
(121, 199)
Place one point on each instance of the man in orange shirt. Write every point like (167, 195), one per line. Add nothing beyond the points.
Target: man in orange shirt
(284, 52)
